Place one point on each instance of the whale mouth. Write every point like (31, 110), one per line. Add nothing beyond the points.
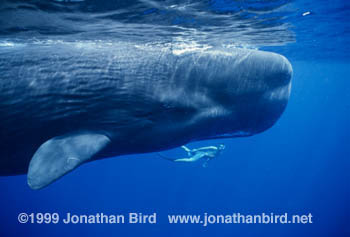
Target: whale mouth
(231, 135)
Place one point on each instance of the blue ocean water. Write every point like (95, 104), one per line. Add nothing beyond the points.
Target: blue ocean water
(299, 166)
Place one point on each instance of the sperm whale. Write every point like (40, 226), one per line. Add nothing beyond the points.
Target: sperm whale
(65, 104)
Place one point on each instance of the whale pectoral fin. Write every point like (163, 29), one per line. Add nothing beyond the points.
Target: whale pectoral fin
(60, 155)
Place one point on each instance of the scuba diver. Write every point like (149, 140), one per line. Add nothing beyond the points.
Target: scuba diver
(207, 153)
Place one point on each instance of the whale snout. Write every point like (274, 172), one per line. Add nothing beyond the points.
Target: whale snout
(282, 76)
(286, 71)
(275, 70)
(264, 90)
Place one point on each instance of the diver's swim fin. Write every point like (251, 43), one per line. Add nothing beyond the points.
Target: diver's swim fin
(164, 157)
(60, 155)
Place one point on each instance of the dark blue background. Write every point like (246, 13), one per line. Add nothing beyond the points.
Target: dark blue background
(299, 166)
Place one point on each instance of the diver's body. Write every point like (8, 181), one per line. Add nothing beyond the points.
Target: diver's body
(206, 153)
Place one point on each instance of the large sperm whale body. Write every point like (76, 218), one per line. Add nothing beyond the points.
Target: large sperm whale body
(65, 104)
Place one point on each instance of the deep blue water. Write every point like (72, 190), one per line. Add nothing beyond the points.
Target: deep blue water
(299, 166)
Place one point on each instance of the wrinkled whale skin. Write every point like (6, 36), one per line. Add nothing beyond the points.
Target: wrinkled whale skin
(139, 99)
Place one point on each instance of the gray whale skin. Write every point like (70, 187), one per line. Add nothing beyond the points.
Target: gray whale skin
(67, 104)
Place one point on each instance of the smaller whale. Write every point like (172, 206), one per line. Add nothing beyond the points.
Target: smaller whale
(64, 104)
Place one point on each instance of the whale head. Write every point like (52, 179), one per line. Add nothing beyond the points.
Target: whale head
(245, 92)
